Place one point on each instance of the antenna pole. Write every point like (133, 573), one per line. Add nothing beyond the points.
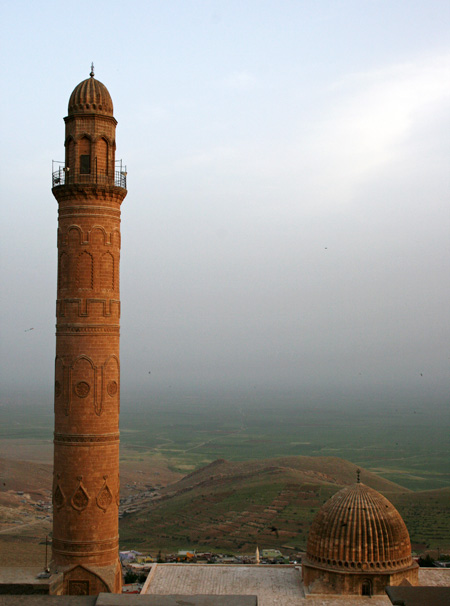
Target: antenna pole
(46, 554)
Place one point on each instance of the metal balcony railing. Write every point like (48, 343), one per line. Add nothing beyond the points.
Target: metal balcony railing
(61, 175)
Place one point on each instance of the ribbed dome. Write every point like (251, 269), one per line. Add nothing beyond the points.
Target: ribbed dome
(90, 96)
(359, 529)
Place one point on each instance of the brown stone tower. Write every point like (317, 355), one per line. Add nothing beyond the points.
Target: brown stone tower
(89, 190)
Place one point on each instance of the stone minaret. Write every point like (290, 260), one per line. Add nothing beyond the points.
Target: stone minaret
(89, 189)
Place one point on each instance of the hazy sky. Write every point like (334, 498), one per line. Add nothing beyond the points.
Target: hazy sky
(287, 224)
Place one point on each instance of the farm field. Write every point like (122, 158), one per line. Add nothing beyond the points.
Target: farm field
(409, 445)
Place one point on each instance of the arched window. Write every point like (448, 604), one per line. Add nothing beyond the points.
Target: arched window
(84, 148)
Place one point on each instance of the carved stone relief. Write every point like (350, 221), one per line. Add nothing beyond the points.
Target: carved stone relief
(80, 499)
(101, 380)
(82, 389)
(112, 388)
(84, 307)
(104, 497)
(78, 587)
(58, 496)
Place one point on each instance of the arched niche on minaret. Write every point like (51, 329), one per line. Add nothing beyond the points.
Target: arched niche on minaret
(107, 272)
(102, 156)
(70, 153)
(84, 155)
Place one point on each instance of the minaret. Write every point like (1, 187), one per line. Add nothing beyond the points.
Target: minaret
(89, 189)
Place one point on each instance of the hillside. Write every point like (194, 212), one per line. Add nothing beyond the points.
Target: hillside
(236, 506)
(427, 516)
(320, 470)
(225, 505)
(33, 478)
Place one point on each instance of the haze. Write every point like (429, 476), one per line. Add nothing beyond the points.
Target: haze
(287, 222)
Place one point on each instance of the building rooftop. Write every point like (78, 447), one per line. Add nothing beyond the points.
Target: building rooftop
(419, 596)
(213, 585)
(27, 580)
(273, 585)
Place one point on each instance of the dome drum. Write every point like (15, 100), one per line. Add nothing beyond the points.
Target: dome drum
(327, 581)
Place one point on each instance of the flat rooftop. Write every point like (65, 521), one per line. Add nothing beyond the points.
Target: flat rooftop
(274, 585)
(168, 583)
(17, 574)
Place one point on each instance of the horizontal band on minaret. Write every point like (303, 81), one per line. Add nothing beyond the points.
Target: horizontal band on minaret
(80, 439)
(84, 211)
(83, 306)
(84, 548)
(84, 330)
(110, 193)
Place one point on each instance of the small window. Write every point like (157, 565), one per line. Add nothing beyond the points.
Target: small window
(85, 164)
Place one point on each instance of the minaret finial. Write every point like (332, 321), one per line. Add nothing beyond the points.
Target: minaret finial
(92, 70)
(358, 473)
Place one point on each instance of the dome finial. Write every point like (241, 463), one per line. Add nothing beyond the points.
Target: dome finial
(358, 473)
(92, 70)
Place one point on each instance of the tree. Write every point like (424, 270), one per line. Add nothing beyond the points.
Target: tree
(130, 576)
(426, 562)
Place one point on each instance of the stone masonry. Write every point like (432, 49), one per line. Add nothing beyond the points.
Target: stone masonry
(87, 368)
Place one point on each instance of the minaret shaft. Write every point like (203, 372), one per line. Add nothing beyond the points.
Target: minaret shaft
(87, 367)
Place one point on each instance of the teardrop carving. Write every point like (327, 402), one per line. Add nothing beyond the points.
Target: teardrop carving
(58, 497)
(80, 499)
(104, 497)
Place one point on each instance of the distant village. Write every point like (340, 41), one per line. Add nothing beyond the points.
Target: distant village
(136, 566)
(134, 503)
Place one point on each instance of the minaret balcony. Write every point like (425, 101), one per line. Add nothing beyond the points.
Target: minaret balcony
(63, 175)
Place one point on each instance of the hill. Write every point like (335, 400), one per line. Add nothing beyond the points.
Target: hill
(235, 506)
(223, 506)
(427, 517)
(320, 470)
(31, 477)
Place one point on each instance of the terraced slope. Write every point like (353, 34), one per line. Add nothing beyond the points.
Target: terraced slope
(236, 505)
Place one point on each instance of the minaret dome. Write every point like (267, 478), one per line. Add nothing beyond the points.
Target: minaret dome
(90, 96)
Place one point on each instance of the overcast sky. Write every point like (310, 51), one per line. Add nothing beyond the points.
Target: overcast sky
(287, 225)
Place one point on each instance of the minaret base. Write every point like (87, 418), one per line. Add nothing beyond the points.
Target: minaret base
(90, 580)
